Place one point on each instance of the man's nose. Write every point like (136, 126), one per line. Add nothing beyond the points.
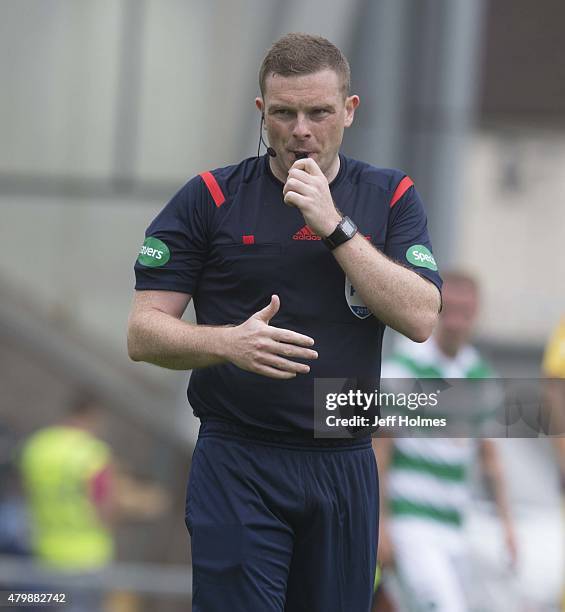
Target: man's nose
(301, 127)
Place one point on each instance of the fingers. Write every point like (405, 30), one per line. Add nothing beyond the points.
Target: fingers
(274, 364)
(285, 365)
(295, 184)
(300, 187)
(290, 337)
(271, 372)
(276, 357)
(308, 165)
(294, 352)
(273, 358)
(270, 351)
(295, 199)
(300, 175)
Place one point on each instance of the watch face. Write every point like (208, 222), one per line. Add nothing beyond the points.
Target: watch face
(347, 226)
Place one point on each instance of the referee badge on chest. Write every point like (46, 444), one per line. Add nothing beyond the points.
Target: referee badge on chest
(354, 301)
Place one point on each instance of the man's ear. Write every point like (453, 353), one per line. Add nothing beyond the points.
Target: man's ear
(260, 104)
(351, 103)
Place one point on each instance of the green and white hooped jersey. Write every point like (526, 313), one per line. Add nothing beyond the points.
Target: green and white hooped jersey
(429, 477)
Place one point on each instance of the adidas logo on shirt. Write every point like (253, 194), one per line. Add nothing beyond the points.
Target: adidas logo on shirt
(305, 234)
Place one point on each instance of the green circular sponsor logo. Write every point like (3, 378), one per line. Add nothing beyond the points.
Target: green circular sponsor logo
(154, 253)
(419, 255)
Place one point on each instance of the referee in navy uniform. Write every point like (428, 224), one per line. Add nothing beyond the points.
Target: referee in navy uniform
(296, 261)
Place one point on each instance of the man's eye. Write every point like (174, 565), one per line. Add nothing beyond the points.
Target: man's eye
(283, 112)
(320, 112)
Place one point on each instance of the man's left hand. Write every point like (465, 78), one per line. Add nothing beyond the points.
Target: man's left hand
(307, 188)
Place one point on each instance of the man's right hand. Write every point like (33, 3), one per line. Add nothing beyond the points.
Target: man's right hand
(258, 347)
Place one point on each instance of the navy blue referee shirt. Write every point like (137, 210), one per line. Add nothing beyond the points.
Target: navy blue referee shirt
(227, 239)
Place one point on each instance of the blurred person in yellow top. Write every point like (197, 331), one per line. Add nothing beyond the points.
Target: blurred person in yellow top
(68, 477)
(553, 369)
(77, 492)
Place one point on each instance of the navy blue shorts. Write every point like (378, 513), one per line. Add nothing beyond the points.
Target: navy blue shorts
(281, 527)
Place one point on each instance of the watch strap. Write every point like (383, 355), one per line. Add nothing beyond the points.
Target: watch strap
(344, 231)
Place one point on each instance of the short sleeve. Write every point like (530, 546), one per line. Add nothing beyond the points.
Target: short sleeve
(408, 241)
(176, 243)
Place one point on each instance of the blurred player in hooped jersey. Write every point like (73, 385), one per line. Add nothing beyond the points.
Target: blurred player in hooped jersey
(425, 484)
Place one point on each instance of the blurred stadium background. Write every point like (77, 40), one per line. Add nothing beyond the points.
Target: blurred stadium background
(107, 107)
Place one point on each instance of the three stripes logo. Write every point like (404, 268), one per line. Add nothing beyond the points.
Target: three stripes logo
(305, 234)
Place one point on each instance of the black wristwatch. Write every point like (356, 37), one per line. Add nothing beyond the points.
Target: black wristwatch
(344, 231)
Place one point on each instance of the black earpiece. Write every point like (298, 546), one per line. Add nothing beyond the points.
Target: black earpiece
(270, 151)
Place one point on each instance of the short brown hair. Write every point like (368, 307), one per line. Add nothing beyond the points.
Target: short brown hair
(297, 54)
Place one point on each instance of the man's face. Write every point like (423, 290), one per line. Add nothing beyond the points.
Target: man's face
(459, 313)
(306, 114)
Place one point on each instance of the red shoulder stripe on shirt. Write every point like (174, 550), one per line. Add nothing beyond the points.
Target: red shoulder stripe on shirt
(402, 188)
(213, 188)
